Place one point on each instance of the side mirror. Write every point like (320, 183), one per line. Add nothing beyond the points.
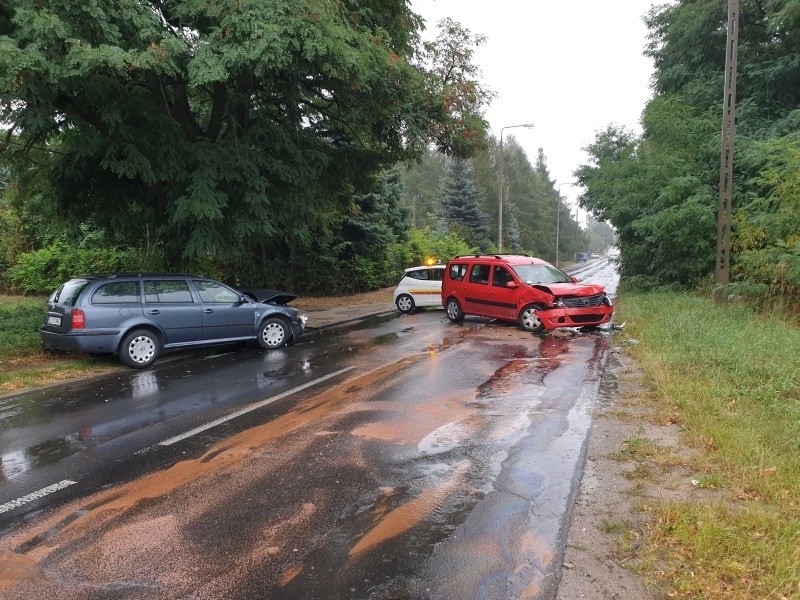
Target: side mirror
(512, 285)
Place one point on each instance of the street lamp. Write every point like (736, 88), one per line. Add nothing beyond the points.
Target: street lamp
(500, 194)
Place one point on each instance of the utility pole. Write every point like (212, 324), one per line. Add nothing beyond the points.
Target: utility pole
(724, 207)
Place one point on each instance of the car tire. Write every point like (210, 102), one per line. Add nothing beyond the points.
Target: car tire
(405, 304)
(529, 320)
(454, 311)
(273, 333)
(140, 349)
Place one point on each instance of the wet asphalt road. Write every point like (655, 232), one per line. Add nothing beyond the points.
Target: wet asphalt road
(420, 459)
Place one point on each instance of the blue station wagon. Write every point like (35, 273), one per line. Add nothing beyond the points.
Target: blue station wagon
(138, 315)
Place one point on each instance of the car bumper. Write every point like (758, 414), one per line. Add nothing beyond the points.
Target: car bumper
(575, 317)
(92, 343)
(298, 324)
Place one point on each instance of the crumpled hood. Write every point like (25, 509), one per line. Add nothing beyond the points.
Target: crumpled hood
(266, 296)
(570, 289)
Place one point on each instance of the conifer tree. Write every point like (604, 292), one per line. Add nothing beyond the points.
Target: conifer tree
(461, 205)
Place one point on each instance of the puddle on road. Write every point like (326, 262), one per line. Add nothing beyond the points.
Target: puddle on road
(464, 497)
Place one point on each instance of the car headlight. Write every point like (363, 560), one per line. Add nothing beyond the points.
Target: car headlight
(559, 303)
(606, 300)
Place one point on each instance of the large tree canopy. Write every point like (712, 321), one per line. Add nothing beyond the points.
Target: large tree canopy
(221, 122)
(660, 189)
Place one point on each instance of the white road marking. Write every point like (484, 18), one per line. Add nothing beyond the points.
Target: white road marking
(36, 495)
(250, 407)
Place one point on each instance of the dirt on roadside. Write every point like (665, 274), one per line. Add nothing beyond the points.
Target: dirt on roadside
(635, 458)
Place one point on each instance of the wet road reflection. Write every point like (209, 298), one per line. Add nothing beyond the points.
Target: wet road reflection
(442, 466)
(473, 461)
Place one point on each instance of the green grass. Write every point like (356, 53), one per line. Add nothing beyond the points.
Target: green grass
(732, 378)
(20, 319)
(22, 362)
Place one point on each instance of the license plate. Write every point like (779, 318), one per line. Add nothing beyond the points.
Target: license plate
(54, 321)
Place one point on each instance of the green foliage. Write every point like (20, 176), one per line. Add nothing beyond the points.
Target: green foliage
(460, 129)
(460, 205)
(424, 244)
(42, 271)
(421, 184)
(20, 320)
(660, 191)
(768, 226)
(219, 127)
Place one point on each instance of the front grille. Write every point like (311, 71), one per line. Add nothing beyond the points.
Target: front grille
(586, 318)
(583, 301)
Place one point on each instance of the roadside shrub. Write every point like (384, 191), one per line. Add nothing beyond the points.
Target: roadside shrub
(42, 271)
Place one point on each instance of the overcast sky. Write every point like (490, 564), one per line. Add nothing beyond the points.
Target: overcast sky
(570, 67)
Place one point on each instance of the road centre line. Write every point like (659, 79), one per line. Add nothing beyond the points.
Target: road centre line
(250, 407)
(36, 495)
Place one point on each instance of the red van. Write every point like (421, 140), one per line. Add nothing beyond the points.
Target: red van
(524, 289)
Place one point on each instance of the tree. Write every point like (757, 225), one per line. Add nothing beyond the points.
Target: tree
(422, 181)
(223, 124)
(659, 190)
(461, 204)
(460, 129)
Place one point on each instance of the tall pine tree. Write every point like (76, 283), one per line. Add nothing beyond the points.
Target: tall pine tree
(461, 205)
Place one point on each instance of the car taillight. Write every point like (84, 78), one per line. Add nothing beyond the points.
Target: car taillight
(78, 319)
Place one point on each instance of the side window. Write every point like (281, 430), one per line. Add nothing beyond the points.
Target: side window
(501, 276)
(479, 274)
(457, 272)
(436, 274)
(215, 293)
(176, 291)
(422, 274)
(117, 292)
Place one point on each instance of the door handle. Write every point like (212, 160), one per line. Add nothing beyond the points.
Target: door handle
(208, 311)
(154, 312)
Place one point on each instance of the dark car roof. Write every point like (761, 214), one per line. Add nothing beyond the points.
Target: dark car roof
(135, 274)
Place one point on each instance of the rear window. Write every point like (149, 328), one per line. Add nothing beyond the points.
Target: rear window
(457, 272)
(117, 292)
(68, 293)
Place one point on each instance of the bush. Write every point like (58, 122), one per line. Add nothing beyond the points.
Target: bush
(42, 271)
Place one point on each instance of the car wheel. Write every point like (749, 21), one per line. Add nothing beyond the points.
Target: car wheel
(529, 320)
(274, 333)
(454, 312)
(405, 303)
(140, 349)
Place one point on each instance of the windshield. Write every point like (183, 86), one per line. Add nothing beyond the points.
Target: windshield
(541, 274)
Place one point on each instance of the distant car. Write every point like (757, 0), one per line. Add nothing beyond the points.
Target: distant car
(521, 288)
(595, 255)
(581, 257)
(138, 315)
(419, 287)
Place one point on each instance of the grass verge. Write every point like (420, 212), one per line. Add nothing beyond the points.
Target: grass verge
(731, 378)
(22, 362)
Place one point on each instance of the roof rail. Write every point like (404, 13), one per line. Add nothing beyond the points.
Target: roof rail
(497, 256)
